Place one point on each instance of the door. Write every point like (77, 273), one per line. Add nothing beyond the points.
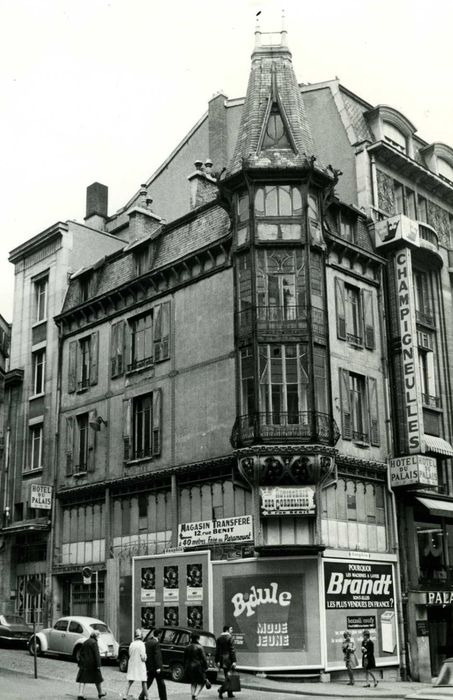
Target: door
(440, 622)
(57, 636)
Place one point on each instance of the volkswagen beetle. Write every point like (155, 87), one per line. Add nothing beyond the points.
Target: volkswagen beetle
(69, 633)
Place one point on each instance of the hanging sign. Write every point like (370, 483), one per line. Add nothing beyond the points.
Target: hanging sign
(40, 496)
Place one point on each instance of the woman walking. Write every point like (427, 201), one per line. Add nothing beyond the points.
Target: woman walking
(90, 666)
(368, 660)
(349, 656)
(136, 668)
(195, 666)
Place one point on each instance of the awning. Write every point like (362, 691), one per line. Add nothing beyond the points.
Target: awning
(443, 509)
(438, 445)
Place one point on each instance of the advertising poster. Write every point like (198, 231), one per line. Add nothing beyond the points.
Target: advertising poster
(171, 584)
(171, 616)
(148, 618)
(222, 531)
(194, 582)
(195, 617)
(266, 611)
(148, 585)
(360, 596)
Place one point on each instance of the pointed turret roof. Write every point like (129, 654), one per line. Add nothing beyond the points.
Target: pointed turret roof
(274, 130)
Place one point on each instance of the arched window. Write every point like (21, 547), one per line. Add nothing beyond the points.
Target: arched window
(445, 170)
(275, 135)
(395, 137)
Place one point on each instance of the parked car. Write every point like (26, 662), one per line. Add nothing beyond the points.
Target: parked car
(173, 641)
(14, 630)
(68, 634)
(442, 688)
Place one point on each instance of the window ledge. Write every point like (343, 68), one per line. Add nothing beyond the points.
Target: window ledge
(133, 462)
(77, 475)
(139, 369)
(39, 323)
(37, 396)
(361, 444)
(82, 389)
(31, 472)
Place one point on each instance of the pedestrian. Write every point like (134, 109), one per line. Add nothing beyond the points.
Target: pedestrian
(225, 658)
(154, 666)
(136, 668)
(349, 656)
(368, 660)
(195, 666)
(90, 666)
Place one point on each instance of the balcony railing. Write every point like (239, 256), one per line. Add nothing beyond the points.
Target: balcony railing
(431, 401)
(140, 364)
(273, 426)
(425, 318)
(428, 234)
(270, 319)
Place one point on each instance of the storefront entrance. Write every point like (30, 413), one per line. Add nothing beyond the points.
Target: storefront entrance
(440, 623)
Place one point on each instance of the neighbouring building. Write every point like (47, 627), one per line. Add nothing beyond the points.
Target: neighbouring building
(251, 388)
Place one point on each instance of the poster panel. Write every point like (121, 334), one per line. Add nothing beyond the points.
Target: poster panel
(171, 589)
(360, 596)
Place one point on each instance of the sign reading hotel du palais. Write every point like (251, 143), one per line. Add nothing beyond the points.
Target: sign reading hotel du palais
(221, 531)
(40, 496)
(413, 470)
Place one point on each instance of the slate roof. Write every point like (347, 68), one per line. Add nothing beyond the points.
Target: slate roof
(272, 66)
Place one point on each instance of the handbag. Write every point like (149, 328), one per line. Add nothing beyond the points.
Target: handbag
(234, 682)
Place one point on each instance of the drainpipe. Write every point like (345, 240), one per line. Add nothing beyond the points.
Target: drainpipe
(389, 438)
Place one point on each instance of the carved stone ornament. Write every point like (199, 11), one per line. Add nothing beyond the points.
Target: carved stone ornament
(285, 468)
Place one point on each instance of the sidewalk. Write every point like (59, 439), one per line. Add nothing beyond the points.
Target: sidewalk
(385, 689)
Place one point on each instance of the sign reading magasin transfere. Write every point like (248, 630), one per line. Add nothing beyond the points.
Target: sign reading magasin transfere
(222, 531)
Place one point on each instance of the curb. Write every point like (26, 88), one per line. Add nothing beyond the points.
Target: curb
(300, 691)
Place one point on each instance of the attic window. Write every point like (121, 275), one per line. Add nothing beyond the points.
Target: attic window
(395, 137)
(445, 170)
(275, 135)
(142, 259)
(86, 284)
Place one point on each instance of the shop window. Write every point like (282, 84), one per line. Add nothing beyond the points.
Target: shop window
(142, 426)
(355, 316)
(431, 552)
(278, 205)
(26, 604)
(83, 363)
(359, 408)
(39, 369)
(40, 299)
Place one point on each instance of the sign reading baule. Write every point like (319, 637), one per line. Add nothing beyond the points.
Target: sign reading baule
(40, 496)
(413, 469)
(221, 531)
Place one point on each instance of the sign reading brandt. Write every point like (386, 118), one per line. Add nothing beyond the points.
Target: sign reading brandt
(409, 360)
(221, 531)
(414, 469)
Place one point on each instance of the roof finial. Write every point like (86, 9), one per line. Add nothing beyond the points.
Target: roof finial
(257, 30)
(284, 32)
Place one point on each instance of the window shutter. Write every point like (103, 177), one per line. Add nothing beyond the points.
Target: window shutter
(127, 414)
(91, 463)
(121, 349)
(166, 330)
(346, 418)
(72, 371)
(94, 357)
(127, 346)
(373, 411)
(157, 332)
(368, 320)
(341, 311)
(157, 421)
(69, 445)
(113, 350)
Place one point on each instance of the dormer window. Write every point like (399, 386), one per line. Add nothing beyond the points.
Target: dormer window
(395, 137)
(275, 135)
(445, 170)
(142, 257)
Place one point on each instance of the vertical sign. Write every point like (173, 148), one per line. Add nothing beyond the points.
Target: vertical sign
(409, 358)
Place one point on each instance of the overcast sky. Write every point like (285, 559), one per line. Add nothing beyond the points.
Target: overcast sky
(105, 89)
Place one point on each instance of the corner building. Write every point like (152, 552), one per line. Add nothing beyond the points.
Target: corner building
(253, 411)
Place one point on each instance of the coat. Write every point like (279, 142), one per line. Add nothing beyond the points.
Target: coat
(195, 664)
(368, 660)
(225, 653)
(136, 668)
(89, 663)
(153, 655)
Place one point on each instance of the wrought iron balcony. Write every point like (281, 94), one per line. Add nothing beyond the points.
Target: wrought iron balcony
(281, 319)
(275, 427)
(426, 319)
(431, 401)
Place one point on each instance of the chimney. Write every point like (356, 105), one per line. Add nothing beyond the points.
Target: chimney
(218, 138)
(203, 184)
(142, 220)
(97, 205)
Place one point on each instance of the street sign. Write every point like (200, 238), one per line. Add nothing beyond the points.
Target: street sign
(86, 573)
(34, 586)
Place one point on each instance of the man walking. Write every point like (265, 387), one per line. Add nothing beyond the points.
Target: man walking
(225, 657)
(154, 666)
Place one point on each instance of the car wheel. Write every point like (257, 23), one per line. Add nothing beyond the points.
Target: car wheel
(76, 653)
(122, 663)
(31, 647)
(177, 672)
